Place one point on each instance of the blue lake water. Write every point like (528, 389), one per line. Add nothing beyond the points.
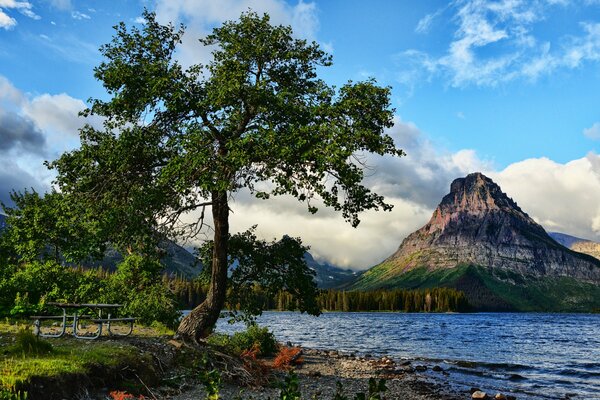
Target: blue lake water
(533, 356)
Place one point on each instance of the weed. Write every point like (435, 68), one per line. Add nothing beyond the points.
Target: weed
(290, 388)
(9, 395)
(212, 382)
(28, 343)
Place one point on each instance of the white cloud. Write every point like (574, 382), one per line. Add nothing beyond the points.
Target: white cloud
(36, 128)
(79, 15)
(201, 16)
(424, 23)
(57, 113)
(62, 4)
(562, 197)
(593, 132)
(24, 7)
(497, 42)
(140, 20)
(6, 21)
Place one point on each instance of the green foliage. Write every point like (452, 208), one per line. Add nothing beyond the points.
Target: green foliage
(137, 286)
(260, 270)
(34, 283)
(27, 343)
(246, 340)
(256, 117)
(420, 300)
(255, 334)
(290, 388)
(212, 382)
(10, 395)
(48, 227)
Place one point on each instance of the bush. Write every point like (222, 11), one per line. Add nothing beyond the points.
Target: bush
(265, 340)
(136, 284)
(249, 340)
(27, 343)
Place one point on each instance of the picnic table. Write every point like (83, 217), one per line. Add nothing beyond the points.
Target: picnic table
(71, 311)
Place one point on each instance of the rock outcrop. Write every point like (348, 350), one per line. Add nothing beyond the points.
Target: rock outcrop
(476, 223)
(577, 244)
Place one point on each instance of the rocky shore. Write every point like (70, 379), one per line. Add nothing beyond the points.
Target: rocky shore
(320, 372)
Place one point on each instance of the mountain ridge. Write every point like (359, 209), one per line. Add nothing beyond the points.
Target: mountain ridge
(480, 240)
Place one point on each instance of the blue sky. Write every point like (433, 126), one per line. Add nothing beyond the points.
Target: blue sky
(508, 87)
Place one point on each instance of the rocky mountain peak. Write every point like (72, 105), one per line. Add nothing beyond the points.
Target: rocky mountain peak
(476, 223)
(476, 192)
(474, 196)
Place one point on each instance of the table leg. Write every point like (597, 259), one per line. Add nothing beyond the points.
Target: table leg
(95, 336)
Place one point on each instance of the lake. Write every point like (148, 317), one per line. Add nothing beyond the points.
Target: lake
(534, 356)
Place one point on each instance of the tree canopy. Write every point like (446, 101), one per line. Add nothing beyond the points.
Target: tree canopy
(178, 140)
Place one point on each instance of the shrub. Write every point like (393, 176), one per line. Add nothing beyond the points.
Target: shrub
(288, 357)
(255, 339)
(254, 334)
(27, 343)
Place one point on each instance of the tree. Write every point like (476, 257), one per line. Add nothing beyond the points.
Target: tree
(256, 117)
(47, 228)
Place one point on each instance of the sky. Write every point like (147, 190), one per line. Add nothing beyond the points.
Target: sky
(509, 88)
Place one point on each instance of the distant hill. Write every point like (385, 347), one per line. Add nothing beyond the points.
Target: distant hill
(2, 221)
(329, 276)
(479, 241)
(577, 244)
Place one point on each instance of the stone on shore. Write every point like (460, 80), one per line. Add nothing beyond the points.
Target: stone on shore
(479, 395)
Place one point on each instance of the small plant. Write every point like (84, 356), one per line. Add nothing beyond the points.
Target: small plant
(288, 357)
(265, 339)
(28, 343)
(290, 388)
(9, 395)
(120, 395)
(251, 353)
(212, 382)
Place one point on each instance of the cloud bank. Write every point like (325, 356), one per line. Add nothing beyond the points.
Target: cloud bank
(34, 129)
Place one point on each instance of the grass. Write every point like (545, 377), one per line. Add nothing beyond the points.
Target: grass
(26, 357)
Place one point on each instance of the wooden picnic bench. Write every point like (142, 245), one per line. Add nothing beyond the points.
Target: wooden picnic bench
(75, 308)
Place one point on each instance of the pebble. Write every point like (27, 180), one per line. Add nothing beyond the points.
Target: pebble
(500, 396)
(479, 395)
(437, 368)
(421, 368)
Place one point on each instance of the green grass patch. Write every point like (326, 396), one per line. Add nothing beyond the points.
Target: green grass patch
(27, 357)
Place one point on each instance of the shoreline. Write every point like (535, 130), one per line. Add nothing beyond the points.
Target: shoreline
(321, 370)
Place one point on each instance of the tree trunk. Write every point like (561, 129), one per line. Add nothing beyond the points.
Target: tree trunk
(200, 322)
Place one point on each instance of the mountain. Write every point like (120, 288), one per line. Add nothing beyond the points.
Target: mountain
(329, 276)
(176, 260)
(577, 244)
(478, 240)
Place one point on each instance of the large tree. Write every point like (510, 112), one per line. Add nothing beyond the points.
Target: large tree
(256, 117)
